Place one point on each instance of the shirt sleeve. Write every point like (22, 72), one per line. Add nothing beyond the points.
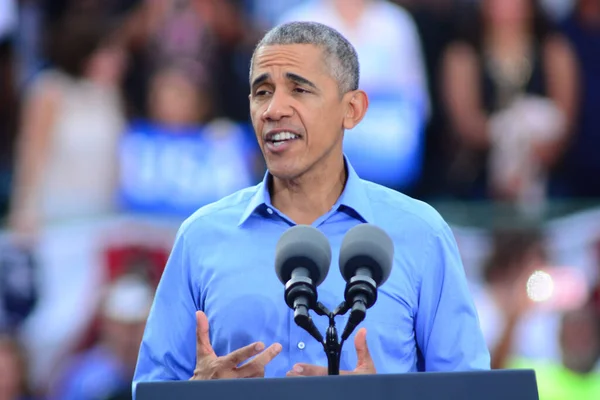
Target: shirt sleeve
(447, 327)
(168, 348)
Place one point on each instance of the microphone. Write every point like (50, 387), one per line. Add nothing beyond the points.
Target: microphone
(302, 259)
(366, 258)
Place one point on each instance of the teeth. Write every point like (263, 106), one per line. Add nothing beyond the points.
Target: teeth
(283, 136)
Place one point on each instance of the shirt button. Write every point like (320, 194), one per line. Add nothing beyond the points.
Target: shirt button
(269, 211)
(301, 345)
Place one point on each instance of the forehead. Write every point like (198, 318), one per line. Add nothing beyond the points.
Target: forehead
(305, 58)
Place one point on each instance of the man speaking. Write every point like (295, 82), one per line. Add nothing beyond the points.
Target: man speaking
(220, 303)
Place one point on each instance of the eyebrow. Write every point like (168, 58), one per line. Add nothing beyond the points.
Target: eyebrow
(291, 76)
(259, 80)
(298, 79)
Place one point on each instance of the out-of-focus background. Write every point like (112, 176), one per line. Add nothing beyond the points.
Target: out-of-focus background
(119, 118)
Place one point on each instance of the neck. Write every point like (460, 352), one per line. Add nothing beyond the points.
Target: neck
(507, 40)
(306, 198)
(350, 11)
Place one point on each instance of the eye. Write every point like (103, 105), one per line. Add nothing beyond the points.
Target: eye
(300, 90)
(260, 93)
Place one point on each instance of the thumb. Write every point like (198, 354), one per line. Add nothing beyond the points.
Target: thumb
(203, 346)
(362, 351)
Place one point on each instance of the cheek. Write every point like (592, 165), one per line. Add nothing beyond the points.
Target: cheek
(255, 118)
(322, 120)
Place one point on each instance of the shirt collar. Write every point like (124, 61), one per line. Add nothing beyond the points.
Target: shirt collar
(354, 197)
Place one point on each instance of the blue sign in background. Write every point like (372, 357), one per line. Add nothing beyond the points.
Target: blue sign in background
(386, 147)
(178, 170)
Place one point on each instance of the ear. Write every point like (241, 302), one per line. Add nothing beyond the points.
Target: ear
(357, 106)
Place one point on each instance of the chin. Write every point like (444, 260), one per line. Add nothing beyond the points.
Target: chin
(284, 170)
(283, 173)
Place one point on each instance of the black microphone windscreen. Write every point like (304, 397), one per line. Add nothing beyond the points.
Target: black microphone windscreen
(367, 245)
(303, 246)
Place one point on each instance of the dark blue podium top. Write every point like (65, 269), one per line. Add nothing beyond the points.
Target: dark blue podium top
(478, 385)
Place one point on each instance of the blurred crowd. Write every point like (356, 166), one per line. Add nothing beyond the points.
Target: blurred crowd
(119, 118)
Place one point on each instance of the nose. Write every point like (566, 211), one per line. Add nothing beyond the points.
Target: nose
(279, 107)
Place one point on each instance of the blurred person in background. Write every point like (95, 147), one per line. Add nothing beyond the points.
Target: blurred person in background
(511, 324)
(266, 13)
(36, 16)
(65, 179)
(578, 176)
(13, 370)
(510, 88)
(69, 131)
(193, 33)
(108, 367)
(387, 146)
(434, 20)
(182, 158)
(575, 374)
(19, 286)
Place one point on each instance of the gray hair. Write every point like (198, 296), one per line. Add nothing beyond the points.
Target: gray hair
(340, 55)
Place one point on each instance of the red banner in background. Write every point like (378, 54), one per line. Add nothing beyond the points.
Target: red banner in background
(145, 260)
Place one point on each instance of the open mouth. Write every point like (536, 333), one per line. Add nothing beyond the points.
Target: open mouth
(280, 138)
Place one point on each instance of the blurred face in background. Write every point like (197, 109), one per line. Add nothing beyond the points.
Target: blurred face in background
(124, 338)
(580, 340)
(518, 267)
(106, 66)
(10, 371)
(123, 316)
(175, 100)
(507, 13)
(534, 259)
(293, 93)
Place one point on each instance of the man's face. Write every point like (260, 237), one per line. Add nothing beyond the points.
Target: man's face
(296, 109)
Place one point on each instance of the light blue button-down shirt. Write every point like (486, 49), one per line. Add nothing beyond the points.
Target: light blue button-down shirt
(222, 263)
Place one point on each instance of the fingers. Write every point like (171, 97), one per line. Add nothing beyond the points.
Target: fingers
(362, 350)
(364, 364)
(268, 355)
(203, 346)
(311, 370)
(256, 367)
(238, 356)
(307, 370)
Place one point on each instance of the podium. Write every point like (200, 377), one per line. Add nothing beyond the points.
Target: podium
(475, 385)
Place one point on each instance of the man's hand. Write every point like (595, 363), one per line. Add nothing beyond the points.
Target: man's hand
(364, 364)
(209, 366)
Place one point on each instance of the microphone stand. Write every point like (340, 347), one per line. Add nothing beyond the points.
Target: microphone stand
(301, 296)
(331, 343)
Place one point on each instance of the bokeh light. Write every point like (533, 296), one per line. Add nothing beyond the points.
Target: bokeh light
(540, 286)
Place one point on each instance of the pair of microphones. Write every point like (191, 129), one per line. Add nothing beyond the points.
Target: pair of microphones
(302, 260)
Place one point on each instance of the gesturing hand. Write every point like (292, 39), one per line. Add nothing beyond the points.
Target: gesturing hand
(209, 366)
(364, 365)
